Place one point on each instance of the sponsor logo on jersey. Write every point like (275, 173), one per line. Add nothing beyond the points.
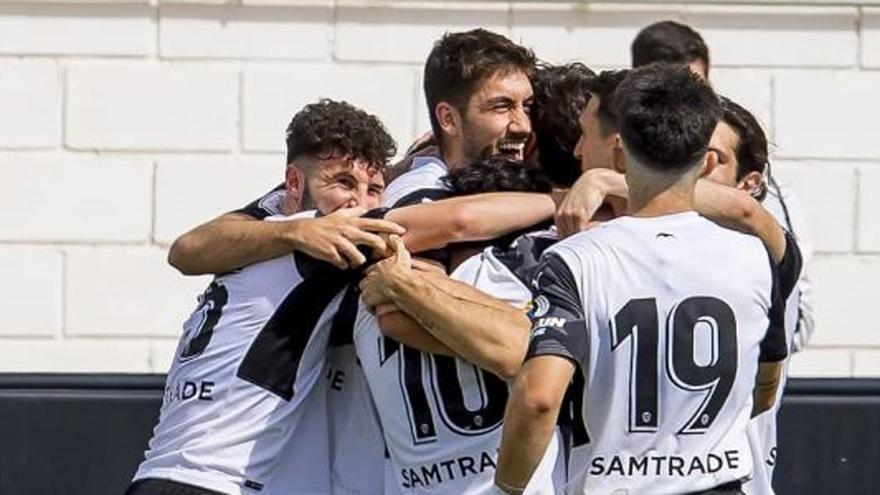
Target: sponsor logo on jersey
(551, 321)
(665, 465)
(540, 306)
(448, 470)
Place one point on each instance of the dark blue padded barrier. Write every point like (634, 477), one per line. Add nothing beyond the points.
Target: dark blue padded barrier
(85, 434)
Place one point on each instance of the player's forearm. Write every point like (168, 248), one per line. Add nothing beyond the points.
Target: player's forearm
(470, 218)
(229, 242)
(766, 386)
(737, 209)
(491, 337)
(403, 328)
(528, 426)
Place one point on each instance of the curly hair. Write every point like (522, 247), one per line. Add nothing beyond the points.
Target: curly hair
(666, 116)
(460, 62)
(561, 93)
(330, 129)
(497, 173)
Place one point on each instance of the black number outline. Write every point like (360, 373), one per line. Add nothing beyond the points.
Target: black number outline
(211, 304)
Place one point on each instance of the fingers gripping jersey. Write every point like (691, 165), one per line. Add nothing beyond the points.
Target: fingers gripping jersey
(242, 380)
(441, 416)
(666, 319)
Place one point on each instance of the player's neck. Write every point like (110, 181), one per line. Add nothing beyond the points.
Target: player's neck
(650, 202)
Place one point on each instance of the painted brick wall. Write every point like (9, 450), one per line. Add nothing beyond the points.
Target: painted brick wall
(126, 122)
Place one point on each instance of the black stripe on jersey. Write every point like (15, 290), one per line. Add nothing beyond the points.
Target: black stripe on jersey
(523, 258)
(558, 322)
(272, 361)
(263, 206)
(790, 267)
(774, 347)
(343, 322)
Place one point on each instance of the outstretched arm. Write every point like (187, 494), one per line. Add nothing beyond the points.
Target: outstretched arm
(235, 240)
(475, 217)
(736, 209)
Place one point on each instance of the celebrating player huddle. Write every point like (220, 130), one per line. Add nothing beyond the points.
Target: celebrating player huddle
(569, 286)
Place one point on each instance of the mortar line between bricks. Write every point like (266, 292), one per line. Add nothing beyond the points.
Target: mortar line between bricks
(65, 260)
(154, 196)
(857, 215)
(860, 50)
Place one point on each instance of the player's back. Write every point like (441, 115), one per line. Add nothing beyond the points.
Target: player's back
(242, 382)
(676, 309)
(441, 416)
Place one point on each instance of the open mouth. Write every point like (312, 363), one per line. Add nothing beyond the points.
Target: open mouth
(512, 149)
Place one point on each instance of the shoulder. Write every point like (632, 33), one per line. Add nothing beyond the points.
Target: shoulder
(425, 173)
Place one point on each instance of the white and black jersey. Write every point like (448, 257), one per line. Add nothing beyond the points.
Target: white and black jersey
(426, 173)
(441, 416)
(762, 428)
(666, 320)
(244, 379)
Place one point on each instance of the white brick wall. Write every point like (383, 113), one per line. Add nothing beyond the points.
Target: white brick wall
(30, 96)
(74, 199)
(125, 123)
(151, 107)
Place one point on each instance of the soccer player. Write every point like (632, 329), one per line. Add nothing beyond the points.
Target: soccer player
(561, 93)
(671, 42)
(436, 356)
(677, 350)
(478, 94)
(741, 147)
(252, 351)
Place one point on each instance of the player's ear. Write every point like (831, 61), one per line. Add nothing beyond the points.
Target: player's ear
(618, 158)
(295, 184)
(752, 182)
(710, 161)
(449, 118)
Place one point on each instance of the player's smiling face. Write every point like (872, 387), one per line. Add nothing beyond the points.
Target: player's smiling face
(342, 183)
(496, 120)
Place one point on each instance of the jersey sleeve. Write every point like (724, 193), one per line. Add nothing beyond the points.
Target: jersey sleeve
(790, 267)
(774, 345)
(558, 321)
(266, 205)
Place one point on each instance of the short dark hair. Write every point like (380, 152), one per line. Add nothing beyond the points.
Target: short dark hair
(752, 153)
(460, 62)
(330, 129)
(603, 87)
(561, 93)
(497, 173)
(669, 41)
(666, 116)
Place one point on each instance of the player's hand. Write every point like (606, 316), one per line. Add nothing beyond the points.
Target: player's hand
(376, 285)
(588, 194)
(334, 238)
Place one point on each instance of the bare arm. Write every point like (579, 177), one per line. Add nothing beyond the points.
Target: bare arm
(491, 336)
(397, 325)
(766, 386)
(594, 188)
(470, 218)
(530, 419)
(736, 209)
(234, 240)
